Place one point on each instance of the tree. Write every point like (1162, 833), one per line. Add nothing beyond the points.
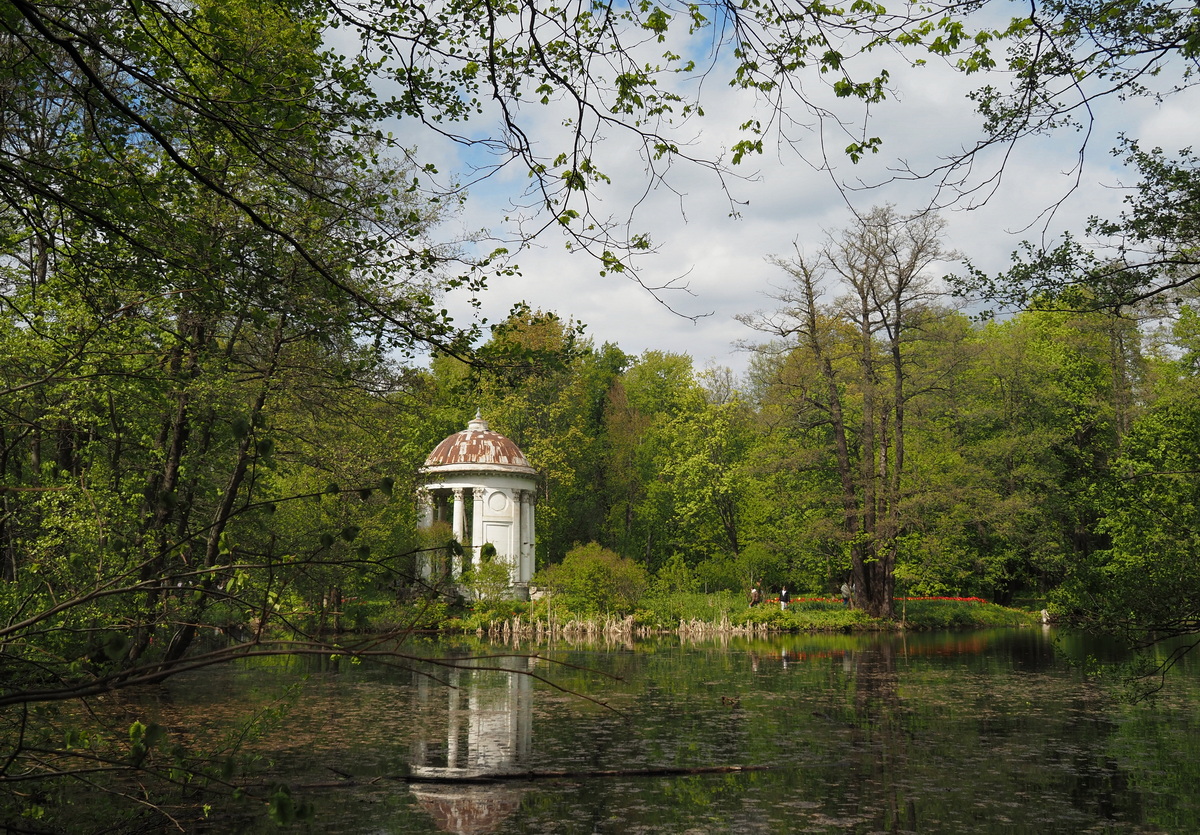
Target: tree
(1136, 583)
(593, 580)
(881, 262)
(1008, 447)
(203, 272)
(656, 390)
(1142, 261)
(1143, 587)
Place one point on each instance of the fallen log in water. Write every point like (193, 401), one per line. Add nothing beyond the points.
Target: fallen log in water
(422, 776)
(481, 779)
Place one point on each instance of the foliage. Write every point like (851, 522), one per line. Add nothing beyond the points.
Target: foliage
(655, 390)
(490, 578)
(960, 614)
(592, 580)
(674, 577)
(486, 613)
(803, 616)
(206, 266)
(1143, 586)
(668, 609)
(1146, 255)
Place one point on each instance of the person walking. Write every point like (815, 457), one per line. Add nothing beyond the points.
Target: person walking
(846, 594)
(783, 599)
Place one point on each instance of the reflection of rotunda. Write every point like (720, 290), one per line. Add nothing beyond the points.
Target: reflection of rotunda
(479, 482)
(488, 731)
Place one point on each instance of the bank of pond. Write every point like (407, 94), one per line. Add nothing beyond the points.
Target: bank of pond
(722, 612)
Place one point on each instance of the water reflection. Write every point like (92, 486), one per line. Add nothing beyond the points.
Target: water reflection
(988, 732)
(489, 731)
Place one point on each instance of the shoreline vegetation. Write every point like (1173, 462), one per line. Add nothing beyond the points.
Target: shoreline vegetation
(721, 614)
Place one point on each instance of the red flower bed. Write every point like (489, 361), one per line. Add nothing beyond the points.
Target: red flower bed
(839, 600)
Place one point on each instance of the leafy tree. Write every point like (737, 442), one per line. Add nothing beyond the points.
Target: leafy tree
(206, 264)
(704, 472)
(1142, 260)
(1006, 450)
(1143, 587)
(491, 578)
(657, 392)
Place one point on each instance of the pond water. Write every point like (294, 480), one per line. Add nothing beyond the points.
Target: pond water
(991, 731)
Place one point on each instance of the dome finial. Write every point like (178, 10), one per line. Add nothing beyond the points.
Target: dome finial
(478, 424)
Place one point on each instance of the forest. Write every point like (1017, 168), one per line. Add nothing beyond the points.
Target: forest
(224, 355)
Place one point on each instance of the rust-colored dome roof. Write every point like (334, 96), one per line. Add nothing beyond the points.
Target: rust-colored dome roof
(477, 445)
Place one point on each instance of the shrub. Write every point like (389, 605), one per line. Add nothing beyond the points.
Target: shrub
(489, 580)
(718, 572)
(803, 616)
(758, 563)
(674, 577)
(592, 580)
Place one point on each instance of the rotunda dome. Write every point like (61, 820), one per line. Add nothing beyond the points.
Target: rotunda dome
(477, 447)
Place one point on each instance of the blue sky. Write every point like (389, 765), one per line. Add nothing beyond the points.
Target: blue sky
(790, 194)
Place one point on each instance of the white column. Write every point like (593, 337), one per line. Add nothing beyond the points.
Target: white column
(424, 507)
(518, 538)
(528, 539)
(460, 514)
(520, 559)
(477, 525)
(424, 520)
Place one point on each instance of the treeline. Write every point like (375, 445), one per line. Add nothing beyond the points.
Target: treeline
(881, 435)
(218, 461)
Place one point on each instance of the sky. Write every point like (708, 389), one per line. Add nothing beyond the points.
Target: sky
(785, 202)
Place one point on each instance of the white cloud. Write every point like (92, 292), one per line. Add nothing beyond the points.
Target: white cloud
(721, 258)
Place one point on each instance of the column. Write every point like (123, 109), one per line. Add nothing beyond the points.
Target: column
(528, 539)
(460, 514)
(424, 507)
(424, 520)
(518, 538)
(477, 525)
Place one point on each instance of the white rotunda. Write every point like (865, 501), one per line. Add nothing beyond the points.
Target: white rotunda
(479, 482)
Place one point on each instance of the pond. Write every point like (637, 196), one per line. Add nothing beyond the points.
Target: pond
(991, 731)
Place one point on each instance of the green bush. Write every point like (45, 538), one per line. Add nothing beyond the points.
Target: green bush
(718, 572)
(674, 577)
(489, 580)
(959, 614)
(759, 564)
(592, 580)
(484, 613)
(421, 615)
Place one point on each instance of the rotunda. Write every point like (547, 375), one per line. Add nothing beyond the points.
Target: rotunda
(480, 483)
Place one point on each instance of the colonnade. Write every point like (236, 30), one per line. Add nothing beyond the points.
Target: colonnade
(503, 517)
